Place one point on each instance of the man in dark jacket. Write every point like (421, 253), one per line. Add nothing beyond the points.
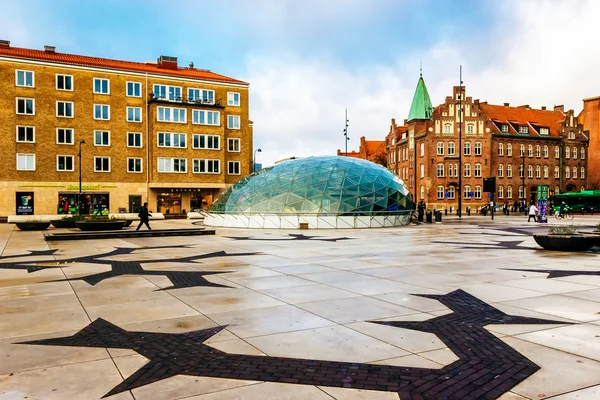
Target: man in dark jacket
(144, 217)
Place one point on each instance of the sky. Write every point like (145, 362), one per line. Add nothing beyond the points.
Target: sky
(308, 61)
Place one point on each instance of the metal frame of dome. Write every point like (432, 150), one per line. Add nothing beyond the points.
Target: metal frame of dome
(325, 192)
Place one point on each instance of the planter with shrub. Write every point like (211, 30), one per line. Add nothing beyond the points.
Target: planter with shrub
(100, 223)
(67, 222)
(33, 225)
(566, 238)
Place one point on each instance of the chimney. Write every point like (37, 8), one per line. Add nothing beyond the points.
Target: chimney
(506, 104)
(543, 108)
(525, 106)
(5, 44)
(560, 108)
(167, 62)
(476, 102)
(50, 49)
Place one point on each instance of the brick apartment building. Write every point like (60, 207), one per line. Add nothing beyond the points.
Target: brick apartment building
(589, 117)
(548, 146)
(372, 150)
(173, 136)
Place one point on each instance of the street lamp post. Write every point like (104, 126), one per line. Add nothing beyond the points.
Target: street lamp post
(79, 197)
(523, 176)
(254, 159)
(346, 133)
(460, 149)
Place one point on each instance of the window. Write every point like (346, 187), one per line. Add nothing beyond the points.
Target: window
(167, 139)
(101, 164)
(203, 96)
(233, 167)
(530, 171)
(440, 192)
(440, 170)
(567, 172)
(538, 171)
(451, 149)
(101, 86)
(467, 170)
(538, 151)
(101, 111)
(509, 150)
(477, 170)
(574, 172)
(64, 163)
(422, 191)
(134, 89)
(500, 149)
(544, 131)
(25, 162)
(571, 135)
(134, 139)
(556, 152)
(509, 192)
(233, 145)
(500, 192)
(545, 171)
(134, 114)
(530, 150)
(451, 192)
(477, 148)
(467, 192)
(171, 114)
(233, 99)
(500, 170)
(25, 78)
(440, 148)
(523, 130)
(101, 138)
(470, 128)
(201, 117)
(521, 170)
(574, 153)
(64, 136)
(64, 82)
(522, 150)
(545, 151)
(233, 121)
(207, 167)
(134, 164)
(211, 142)
(467, 149)
(556, 190)
(25, 134)
(509, 171)
(582, 153)
(422, 146)
(478, 192)
(422, 171)
(25, 106)
(567, 152)
(64, 109)
(505, 128)
(582, 172)
(165, 92)
(178, 165)
(447, 128)
(522, 192)
(556, 172)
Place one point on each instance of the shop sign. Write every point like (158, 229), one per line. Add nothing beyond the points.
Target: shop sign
(76, 187)
(543, 192)
(24, 203)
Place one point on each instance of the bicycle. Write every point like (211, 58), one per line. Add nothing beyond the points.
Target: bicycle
(568, 214)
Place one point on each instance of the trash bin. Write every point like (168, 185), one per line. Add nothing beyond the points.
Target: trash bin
(438, 216)
(428, 217)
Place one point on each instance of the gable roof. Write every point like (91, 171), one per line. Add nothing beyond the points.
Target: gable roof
(524, 117)
(95, 62)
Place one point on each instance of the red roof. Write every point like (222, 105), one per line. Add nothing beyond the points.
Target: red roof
(151, 68)
(521, 116)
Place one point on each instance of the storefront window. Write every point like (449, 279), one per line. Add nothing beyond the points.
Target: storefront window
(169, 203)
(91, 203)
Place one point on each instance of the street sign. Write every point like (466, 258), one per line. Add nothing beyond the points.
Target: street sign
(543, 192)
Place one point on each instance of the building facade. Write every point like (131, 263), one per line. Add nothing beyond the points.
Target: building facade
(522, 147)
(371, 150)
(589, 117)
(132, 132)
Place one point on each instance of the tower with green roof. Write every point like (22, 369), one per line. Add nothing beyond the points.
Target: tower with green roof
(421, 107)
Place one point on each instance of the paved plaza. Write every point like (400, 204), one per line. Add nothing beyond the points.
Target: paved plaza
(470, 309)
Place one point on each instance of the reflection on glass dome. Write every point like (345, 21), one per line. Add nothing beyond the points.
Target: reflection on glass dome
(328, 185)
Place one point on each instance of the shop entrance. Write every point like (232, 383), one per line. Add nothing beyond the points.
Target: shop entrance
(169, 203)
(135, 202)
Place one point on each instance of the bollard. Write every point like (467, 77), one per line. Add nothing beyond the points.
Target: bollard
(429, 217)
(469, 211)
(438, 216)
(445, 211)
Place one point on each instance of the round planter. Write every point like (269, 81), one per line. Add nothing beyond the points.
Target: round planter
(128, 222)
(100, 226)
(566, 242)
(61, 223)
(32, 226)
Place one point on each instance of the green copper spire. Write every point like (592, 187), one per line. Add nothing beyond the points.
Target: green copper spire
(421, 107)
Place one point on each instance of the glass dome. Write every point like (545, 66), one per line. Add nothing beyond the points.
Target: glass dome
(330, 185)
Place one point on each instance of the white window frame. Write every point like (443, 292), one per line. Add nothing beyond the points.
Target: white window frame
(26, 155)
(172, 165)
(135, 134)
(102, 138)
(582, 172)
(451, 149)
(141, 165)
(544, 131)
(451, 192)
(574, 153)
(138, 109)
(477, 150)
(529, 150)
(107, 86)
(557, 172)
(545, 151)
(509, 192)
(72, 163)
(447, 128)
(65, 109)
(504, 128)
(64, 76)
(440, 192)
(582, 153)
(467, 191)
(171, 140)
(206, 162)
(168, 95)
(25, 72)
(201, 99)
(574, 173)
(538, 172)
(196, 117)
(546, 171)
(102, 105)
(231, 164)
(470, 129)
(102, 157)
(233, 118)
(477, 170)
(206, 140)
(530, 171)
(134, 85)
(500, 192)
(231, 99)
(440, 148)
(72, 136)
(538, 151)
(509, 150)
(466, 146)
(233, 141)
(170, 112)
(501, 149)
(440, 170)
(467, 170)
(556, 152)
(500, 170)
(25, 127)
(477, 192)
(24, 99)
(523, 130)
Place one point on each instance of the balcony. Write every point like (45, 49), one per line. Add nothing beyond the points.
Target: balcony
(211, 103)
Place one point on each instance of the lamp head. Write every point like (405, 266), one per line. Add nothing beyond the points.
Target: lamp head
(259, 150)
(82, 141)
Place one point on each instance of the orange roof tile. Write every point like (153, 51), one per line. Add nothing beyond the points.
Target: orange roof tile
(520, 116)
(373, 146)
(151, 68)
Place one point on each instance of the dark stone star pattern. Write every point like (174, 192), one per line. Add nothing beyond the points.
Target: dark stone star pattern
(556, 273)
(499, 245)
(486, 369)
(179, 279)
(293, 236)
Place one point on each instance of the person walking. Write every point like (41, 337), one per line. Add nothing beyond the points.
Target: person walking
(532, 213)
(144, 215)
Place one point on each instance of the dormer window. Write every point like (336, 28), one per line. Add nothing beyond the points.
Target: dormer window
(523, 130)
(505, 128)
(544, 131)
